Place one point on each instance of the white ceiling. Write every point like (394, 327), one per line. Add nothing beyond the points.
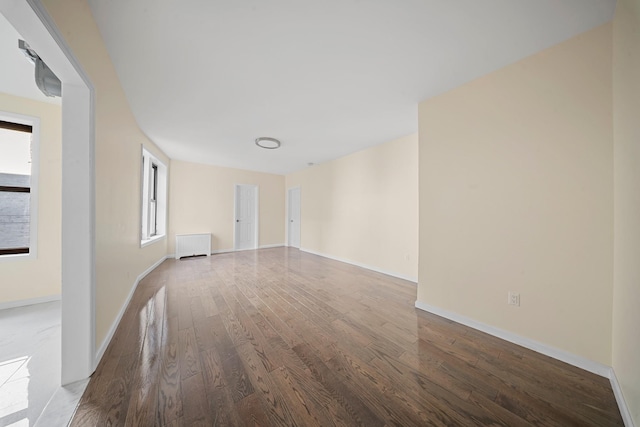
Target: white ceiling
(205, 78)
(17, 74)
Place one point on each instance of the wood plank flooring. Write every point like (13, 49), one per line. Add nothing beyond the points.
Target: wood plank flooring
(279, 337)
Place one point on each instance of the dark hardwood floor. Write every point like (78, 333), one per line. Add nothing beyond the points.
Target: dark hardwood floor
(278, 337)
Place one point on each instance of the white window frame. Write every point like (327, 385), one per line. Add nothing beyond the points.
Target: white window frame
(34, 122)
(147, 166)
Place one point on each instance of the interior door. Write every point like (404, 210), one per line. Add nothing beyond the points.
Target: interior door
(294, 217)
(246, 218)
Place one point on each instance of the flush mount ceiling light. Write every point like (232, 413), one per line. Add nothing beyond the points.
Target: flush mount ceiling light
(268, 143)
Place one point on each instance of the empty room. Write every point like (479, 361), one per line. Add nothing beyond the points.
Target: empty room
(313, 214)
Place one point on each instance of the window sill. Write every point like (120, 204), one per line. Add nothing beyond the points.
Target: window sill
(17, 257)
(152, 240)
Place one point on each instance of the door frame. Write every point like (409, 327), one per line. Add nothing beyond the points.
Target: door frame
(256, 216)
(288, 215)
(78, 345)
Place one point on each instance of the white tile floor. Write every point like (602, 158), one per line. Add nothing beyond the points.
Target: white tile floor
(30, 368)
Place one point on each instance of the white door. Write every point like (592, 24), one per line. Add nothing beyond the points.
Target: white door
(294, 217)
(246, 217)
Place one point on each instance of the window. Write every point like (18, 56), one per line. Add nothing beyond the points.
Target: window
(154, 198)
(18, 185)
(153, 201)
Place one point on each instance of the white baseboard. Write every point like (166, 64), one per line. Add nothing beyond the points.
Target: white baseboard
(224, 251)
(547, 350)
(116, 322)
(29, 301)
(358, 264)
(622, 404)
(278, 245)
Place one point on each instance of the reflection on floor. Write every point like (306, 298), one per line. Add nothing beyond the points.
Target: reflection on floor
(30, 368)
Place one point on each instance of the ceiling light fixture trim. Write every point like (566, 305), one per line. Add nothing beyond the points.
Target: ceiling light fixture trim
(267, 143)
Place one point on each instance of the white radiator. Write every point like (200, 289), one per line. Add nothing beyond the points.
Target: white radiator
(193, 244)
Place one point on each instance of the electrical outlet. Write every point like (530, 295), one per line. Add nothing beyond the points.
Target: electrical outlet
(407, 257)
(513, 299)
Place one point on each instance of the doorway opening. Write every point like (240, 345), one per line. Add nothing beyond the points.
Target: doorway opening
(30, 19)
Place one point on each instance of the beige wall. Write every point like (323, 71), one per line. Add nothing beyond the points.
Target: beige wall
(201, 200)
(516, 194)
(626, 125)
(363, 207)
(119, 258)
(24, 279)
